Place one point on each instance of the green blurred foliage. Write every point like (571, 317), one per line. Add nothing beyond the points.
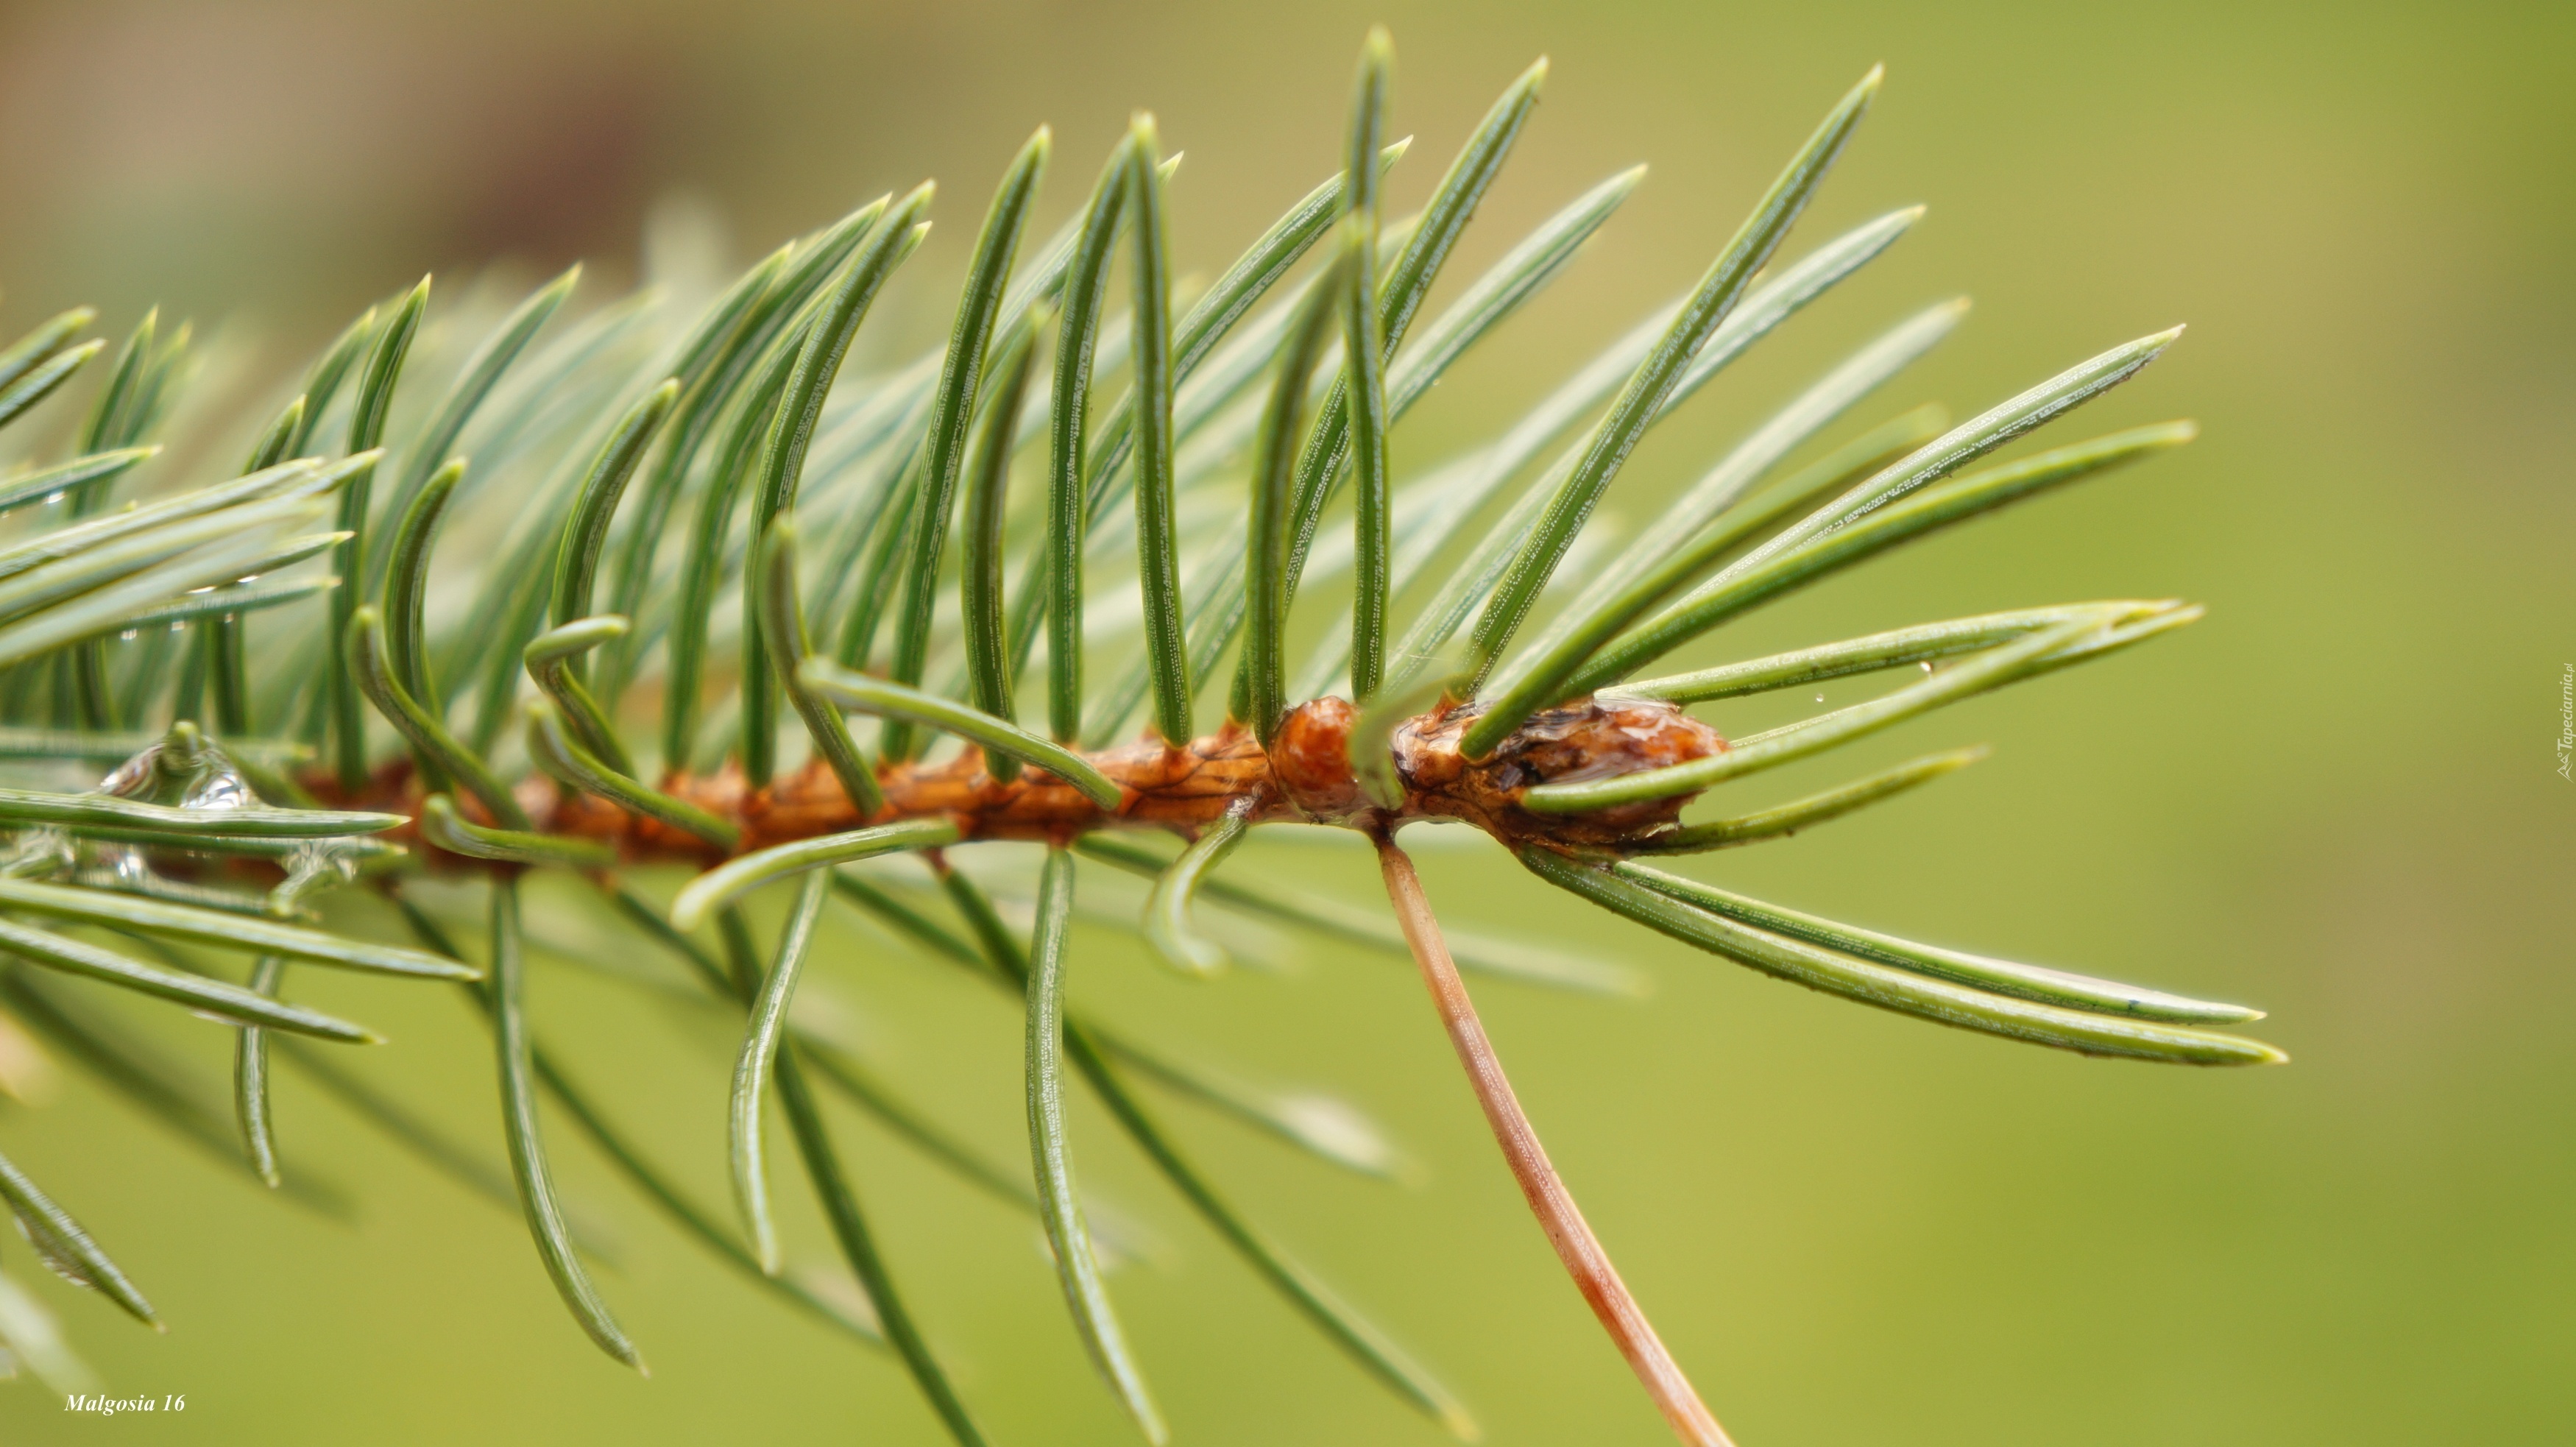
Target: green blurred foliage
(2336, 798)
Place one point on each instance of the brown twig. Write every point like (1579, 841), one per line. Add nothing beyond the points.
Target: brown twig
(1554, 1206)
(1181, 789)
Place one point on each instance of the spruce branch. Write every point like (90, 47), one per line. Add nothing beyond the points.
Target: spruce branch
(700, 517)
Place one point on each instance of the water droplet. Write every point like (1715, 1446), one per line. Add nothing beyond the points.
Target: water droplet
(126, 863)
(128, 635)
(178, 625)
(53, 497)
(1820, 698)
(1927, 668)
(129, 778)
(221, 786)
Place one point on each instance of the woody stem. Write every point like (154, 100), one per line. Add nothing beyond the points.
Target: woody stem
(1554, 1206)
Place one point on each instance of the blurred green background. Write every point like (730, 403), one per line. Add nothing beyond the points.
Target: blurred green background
(2336, 798)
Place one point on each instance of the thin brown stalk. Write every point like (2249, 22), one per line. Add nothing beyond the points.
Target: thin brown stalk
(1554, 1206)
(1183, 790)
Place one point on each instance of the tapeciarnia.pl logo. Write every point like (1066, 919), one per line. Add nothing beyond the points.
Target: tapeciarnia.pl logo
(2567, 721)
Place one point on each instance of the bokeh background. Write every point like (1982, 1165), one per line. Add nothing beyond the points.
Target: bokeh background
(2337, 797)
